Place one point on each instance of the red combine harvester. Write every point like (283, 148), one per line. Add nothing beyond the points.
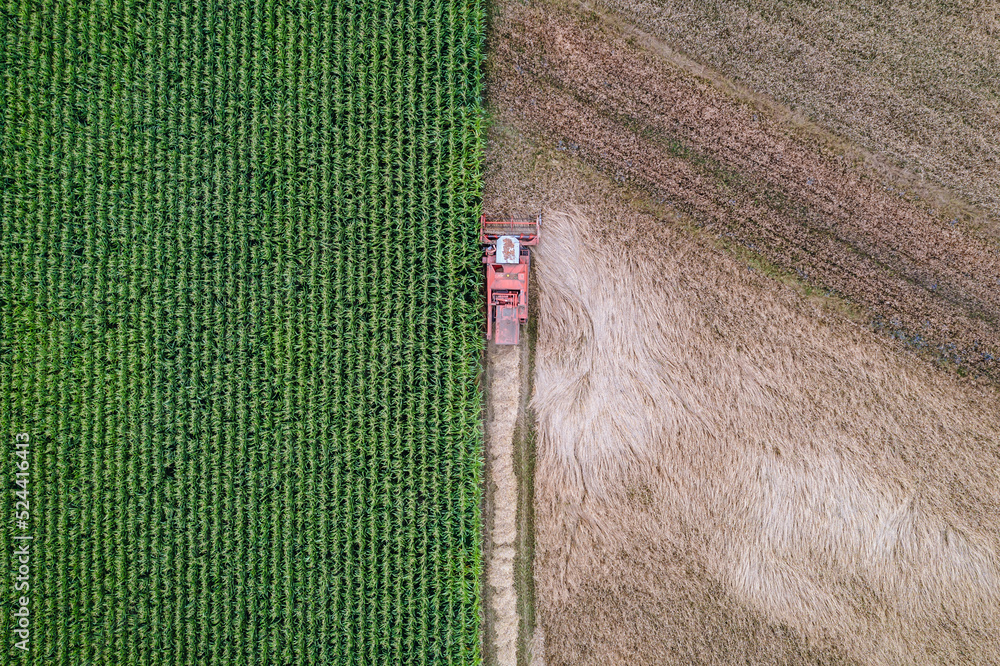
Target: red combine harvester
(507, 260)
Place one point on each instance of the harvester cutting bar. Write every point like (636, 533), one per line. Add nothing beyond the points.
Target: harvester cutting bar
(508, 260)
(525, 229)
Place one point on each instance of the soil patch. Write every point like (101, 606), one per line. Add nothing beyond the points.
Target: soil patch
(728, 469)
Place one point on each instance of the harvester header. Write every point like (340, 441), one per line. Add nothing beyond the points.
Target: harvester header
(507, 258)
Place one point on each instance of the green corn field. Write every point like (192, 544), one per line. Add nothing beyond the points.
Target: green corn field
(240, 296)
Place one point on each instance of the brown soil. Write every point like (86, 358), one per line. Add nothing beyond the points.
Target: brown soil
(593, 91)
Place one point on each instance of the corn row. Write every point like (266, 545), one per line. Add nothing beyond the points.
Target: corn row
(240, 315)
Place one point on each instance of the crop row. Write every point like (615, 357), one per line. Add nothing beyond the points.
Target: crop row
(239, 298)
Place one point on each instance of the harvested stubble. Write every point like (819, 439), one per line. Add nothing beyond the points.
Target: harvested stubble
(913, 82)
(726, 475)
(742, 173)
(240, 321)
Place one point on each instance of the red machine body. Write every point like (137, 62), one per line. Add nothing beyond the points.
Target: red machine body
(508, 259)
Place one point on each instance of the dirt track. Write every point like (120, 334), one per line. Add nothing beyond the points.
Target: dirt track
(592, 91)
(509, 619)
(503, 392)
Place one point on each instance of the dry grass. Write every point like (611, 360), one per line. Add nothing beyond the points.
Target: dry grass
(708, 437)
(914, 82)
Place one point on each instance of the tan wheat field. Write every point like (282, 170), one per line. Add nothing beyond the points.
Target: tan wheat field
(726, 472)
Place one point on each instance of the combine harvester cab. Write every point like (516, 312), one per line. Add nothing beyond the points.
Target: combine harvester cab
(507, 258)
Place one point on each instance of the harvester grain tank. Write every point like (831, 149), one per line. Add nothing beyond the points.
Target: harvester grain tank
(507, 257)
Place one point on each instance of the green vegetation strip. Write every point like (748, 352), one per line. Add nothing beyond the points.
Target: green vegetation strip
(240, 325)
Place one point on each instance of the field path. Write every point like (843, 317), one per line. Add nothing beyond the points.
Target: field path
(507, 388)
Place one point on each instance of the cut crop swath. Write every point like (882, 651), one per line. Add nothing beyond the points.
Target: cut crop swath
(239, 295)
